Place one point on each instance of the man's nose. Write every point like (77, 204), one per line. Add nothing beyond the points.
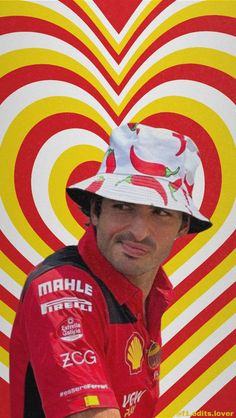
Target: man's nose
(139, 227)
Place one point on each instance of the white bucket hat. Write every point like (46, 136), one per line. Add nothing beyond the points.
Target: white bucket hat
(145, 165)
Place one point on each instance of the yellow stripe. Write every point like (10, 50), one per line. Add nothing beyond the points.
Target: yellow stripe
(12, 270)
(22, 124)
(204, 8)
(198, 337)
(4, 356)
(22, 8)
(202, 56)
(6, 312)
(198, 385)
(118, 46)
(217, 130)
(61, 170)
(199, 9)
(25, 57)
(199, 289)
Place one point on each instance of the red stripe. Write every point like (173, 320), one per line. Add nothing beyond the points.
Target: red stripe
(32, 144)
(222, 402)
(15, 256)
(208, 360)
(112, 11)
(197, 322)
(206, 267)
(194, 72)
(4, 341)
(220, 24)
(4, 399)
(30, 74)
(27, 24)
(8, 298)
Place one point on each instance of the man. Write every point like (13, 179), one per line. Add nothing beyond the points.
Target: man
(86, 340)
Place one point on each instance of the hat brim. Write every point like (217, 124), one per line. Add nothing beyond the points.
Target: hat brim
(128, 193)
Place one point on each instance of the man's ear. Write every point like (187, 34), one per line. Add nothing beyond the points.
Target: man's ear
(93, 215)
(184, 228)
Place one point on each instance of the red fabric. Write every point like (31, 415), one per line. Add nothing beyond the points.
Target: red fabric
(78, 357)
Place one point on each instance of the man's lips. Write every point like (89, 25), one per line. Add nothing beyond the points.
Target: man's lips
(134, 249)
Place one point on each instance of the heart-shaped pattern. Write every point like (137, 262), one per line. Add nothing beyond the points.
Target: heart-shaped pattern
(71, 71)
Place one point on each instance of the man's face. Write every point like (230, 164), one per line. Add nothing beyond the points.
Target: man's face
(136, 239)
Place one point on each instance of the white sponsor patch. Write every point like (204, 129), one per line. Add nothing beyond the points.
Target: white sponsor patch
(64, 284)
(88, 386)
(132, 398)
(76, 358)
(66, 303)
(70, 329)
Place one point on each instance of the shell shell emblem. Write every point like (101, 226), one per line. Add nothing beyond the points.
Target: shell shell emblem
(134, 353)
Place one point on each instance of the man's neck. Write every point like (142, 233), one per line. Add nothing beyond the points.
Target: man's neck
(144, 282)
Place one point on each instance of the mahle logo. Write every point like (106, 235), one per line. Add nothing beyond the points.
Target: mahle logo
(134, 353)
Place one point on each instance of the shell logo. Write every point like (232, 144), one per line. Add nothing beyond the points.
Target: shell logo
(134, 353)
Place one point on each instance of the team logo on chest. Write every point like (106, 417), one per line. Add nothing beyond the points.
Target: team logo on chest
(134, 353)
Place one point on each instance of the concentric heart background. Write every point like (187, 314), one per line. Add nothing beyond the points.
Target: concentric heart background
(73, 70)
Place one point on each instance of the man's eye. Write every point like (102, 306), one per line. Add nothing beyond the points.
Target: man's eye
(161, 212)
(122, 206)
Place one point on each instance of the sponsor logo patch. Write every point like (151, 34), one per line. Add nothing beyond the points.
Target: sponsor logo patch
(64, 284)
(131, 400)
(91, 400)
(66, 303)
(154, 355)
(90, 386)
(70, 329)
(77, 358)
(134, 353)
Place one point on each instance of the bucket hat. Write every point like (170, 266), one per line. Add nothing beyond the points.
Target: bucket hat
(146, 165)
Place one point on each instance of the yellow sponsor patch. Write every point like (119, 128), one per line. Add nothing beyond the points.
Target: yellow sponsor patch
(91, 400)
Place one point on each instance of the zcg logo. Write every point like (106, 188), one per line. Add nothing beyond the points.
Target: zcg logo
(76, 358)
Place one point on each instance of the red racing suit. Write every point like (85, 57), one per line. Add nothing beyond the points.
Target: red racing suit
(79, 340)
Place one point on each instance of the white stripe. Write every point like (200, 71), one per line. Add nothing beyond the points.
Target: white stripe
(118, 37)
(209, 391)
(207, 250)
(202, 93)
(43, 165)
(63, 10)
(5, 326)
(16, 238)
(4, 372)
(9, 284)
(198, 305)
(162, 17)
(22, 40)
(197, 354)
(33, 92)
(212, 40)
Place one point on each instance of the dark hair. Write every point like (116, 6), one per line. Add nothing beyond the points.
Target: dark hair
(97, 205)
